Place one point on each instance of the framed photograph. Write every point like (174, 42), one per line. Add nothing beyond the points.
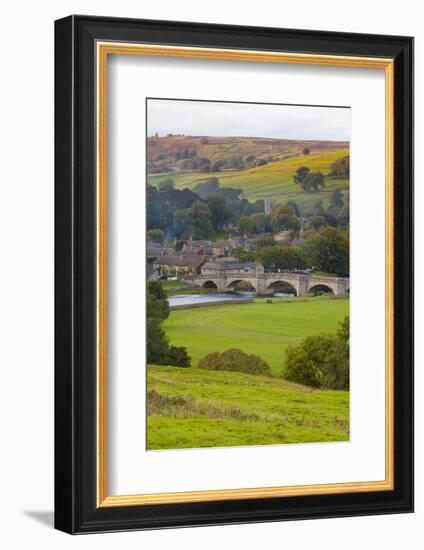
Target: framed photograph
(233, 274)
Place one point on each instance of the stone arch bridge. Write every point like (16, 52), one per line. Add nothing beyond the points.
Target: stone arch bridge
(264, 284)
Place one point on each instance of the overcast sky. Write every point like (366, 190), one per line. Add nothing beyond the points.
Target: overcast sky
(203, 118)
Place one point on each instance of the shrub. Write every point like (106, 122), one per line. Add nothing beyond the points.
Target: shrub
(235, 360)
(178, 357)
(320, 361)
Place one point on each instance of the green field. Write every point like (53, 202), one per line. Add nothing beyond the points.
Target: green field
(271, 181)
(192, 407)
(260, 328)
(217, 409)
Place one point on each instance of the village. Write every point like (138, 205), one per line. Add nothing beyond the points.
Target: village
(185, 260)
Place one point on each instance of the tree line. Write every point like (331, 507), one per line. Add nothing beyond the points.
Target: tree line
(201, 213)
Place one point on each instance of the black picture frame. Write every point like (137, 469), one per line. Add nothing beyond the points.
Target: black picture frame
(76, 510)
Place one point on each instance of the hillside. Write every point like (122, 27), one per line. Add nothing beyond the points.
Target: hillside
(192, 408)
(169, 148)
(273, 180)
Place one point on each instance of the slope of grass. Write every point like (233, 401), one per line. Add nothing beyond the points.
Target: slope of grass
(271, 181)
(216, 409)
(260, 328)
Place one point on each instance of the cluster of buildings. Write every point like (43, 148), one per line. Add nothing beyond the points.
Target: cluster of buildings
(194, 254)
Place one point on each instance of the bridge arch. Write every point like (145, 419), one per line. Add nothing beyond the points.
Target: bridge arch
(320, 289)
(233, 283)
(209, 284)
(282, 286)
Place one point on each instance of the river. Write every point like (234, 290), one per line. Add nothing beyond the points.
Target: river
(182, 300)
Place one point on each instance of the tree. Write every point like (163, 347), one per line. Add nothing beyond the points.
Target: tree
(206, 188)
(157, 342)
(293, 257)
(155, 235)
(158, 349)
(195, 222)
(318, 208)
(329, 250)
(340, 168)
(320, 361)
(220, 214)
(309, 181)
(166, 185)
(246, 225)
(264, 241)
(269, 257)
(314, 181)
(331, 219)
(336, 200)
(317, 222)
(295, 207)
(161, 206)
(343, 216)
(204, 141)
(284, 217)
(243, 255)
(301, 174)
(158, 300)
(261, 221)
(306, 151)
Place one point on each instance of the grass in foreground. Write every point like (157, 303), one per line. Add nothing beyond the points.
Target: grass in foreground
(260, 328)
(194, 408)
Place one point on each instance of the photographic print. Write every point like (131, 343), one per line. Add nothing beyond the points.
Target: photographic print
(210, 366)
(247, 274)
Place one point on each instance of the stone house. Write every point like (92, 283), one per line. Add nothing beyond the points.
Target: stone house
(178, 265)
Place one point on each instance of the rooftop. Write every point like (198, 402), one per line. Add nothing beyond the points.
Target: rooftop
(181, 261)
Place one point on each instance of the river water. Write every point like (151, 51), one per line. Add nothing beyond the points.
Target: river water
(207, 299)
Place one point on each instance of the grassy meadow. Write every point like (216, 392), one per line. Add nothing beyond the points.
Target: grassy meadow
(260, 328)
(191, 408)
(271, 181)
(217, 409)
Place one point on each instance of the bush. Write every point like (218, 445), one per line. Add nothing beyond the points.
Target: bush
(320, 361)
(235, 360)
(178, 357)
